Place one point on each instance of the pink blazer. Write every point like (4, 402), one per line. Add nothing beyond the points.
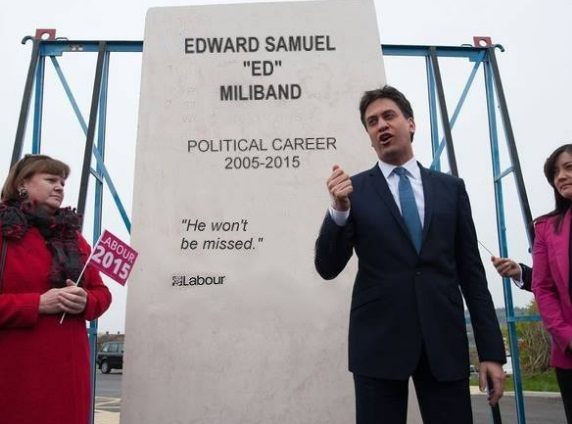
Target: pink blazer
(550, 279)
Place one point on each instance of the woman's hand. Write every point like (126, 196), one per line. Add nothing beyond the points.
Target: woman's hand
(72, 298)
(49, 302)
(506, 267)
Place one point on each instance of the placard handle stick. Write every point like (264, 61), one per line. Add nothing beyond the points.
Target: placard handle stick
(485, 247)
(82, 271)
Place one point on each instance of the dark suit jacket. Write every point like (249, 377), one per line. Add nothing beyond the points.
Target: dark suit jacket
(402, 299)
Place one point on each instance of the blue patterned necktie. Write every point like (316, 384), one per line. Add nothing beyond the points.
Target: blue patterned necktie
(409, 207)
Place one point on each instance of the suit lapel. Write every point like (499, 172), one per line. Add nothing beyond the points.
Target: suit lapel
(562, 248)
(380, 186)
(428, 197)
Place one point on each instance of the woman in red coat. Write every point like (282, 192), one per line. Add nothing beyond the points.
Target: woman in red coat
(551, 276)
(44, 365)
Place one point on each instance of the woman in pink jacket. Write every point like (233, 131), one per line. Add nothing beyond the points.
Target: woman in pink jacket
(551, 276)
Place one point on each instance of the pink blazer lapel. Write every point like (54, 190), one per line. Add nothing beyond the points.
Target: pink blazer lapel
(561, 242)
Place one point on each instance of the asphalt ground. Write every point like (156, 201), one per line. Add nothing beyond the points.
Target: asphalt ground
(540, 408)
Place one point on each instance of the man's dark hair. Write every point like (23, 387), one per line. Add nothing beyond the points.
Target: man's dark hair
(386, 92)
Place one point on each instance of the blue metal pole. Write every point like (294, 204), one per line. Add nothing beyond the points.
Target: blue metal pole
(465, 91)
(26, 99)
(38, 106)
(445, 123)
(69, 94)
(501, 231)
(101, 148)
(104, 173)
(436, 165)
(98, 206)
(439, 146)
(511, 145)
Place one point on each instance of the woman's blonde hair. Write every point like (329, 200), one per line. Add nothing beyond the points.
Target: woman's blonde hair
(26, 168)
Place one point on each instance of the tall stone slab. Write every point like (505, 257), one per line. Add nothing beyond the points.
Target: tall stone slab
(244, 109)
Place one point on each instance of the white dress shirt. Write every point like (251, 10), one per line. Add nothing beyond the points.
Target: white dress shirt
(392, 179)
(519, 283)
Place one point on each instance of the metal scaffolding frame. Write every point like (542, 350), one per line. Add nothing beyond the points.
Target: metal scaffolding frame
(481, 55)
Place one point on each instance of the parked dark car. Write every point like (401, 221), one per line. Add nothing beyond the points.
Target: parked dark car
(110, 357)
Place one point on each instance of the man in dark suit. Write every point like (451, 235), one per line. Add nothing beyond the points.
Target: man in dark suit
(414, 237)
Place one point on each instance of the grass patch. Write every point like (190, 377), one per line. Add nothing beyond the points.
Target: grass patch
(542, 382)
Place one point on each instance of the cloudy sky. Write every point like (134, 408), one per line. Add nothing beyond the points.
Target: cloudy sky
(535, 69)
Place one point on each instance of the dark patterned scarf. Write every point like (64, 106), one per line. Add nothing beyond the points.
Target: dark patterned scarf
(59, 231)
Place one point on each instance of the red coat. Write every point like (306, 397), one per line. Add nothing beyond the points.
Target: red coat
(44, 365)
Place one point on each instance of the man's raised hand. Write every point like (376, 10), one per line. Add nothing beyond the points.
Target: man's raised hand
(340, 186)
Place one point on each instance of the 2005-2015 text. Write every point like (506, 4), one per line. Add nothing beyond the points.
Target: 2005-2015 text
(261, 162)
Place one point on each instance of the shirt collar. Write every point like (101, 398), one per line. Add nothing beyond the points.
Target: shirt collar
(411, 166)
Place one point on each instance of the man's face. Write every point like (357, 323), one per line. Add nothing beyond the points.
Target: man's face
(389, 131)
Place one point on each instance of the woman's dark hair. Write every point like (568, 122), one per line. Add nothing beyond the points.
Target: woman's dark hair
(561, 203)
(27, 167)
